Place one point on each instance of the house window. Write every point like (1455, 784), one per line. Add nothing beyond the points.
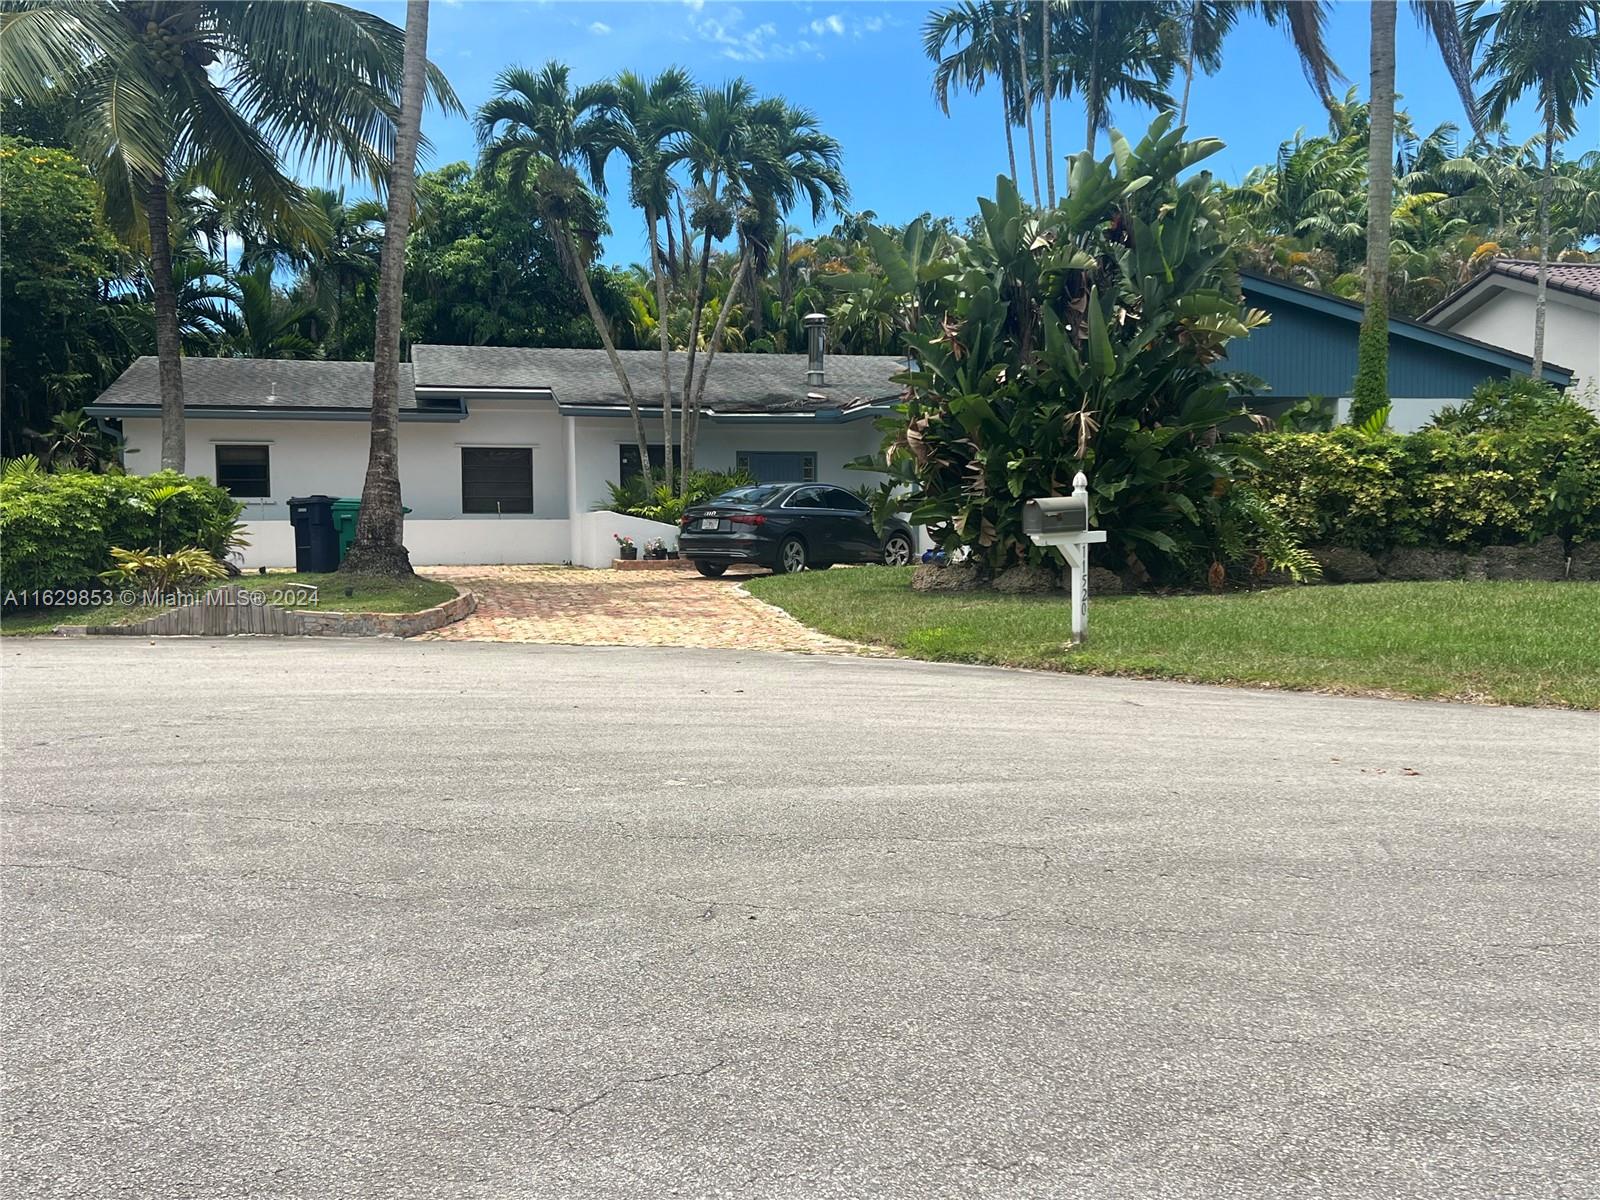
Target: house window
(628, 461)
(244, 471)
(496, 479)
(779, 466)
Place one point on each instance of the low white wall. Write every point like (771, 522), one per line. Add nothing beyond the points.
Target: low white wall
(459, 542)
(596, 545)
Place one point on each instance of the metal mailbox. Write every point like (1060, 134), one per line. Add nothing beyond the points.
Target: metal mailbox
(1056, 514)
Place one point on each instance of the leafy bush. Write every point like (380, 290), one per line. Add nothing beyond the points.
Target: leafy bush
(637, 498)
(1083, 337)
(1513, 464)
(57, 530)
(161, 572)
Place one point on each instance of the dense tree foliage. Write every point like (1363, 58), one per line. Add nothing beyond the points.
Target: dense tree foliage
(63, 337)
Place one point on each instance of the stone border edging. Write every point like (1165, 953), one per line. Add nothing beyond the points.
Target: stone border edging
(302, 622)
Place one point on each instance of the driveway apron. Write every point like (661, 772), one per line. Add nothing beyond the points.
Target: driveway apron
(577, 607)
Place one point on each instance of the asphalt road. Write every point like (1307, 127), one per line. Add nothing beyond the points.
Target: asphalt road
(342, 919)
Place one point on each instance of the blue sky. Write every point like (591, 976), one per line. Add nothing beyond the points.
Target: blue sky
(859, 66)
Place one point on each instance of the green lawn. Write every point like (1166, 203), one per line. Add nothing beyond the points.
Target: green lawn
(1511, 643)
(367, 595)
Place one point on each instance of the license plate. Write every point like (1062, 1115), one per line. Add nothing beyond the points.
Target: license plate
(709, 522)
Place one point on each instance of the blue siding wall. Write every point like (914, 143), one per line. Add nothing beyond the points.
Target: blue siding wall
(1309, 353)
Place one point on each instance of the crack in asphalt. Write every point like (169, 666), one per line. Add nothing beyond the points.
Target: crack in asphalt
(568, 1111)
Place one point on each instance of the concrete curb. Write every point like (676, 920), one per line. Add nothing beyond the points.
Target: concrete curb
(302, 622)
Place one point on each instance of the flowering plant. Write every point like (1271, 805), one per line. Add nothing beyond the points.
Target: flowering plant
(654, 545)
(625, 542)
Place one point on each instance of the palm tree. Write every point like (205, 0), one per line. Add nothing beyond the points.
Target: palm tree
(978, 29)
(1113, 51)
(215, 90)
(1371, 390)
(1204, 23)
(1019, 10)
(379, 545)
(651, 115)
(751, 164)
(537, 135)
(1552, 50)
(269, 324)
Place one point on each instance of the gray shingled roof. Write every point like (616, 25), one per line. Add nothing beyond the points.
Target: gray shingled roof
(748, 383)
(265, 383)
(1578, 279)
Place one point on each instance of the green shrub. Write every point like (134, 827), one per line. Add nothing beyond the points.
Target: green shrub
(1514, 464)
(57, 530)
(161, 572)
(637, 498)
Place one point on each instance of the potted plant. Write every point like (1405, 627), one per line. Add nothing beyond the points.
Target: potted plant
(655, 548)
(625, 547)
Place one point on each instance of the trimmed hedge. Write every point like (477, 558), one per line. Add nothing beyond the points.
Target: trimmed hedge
(1499, 470)
(57, 530)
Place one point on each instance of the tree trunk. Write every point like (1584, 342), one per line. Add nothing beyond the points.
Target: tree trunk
(1091, 90)
(672, 242)
(1049, 139)
(1544, 244)
(684, 242)
(694, 337)
(1011, 145)
(379, 545)
(1027, 102)
(716, 335)
(665, 339)
(580, 275)
(1188, 65)
(169, 348)
(1371, 391)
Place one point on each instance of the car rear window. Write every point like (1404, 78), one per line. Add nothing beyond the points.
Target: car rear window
(758, 494)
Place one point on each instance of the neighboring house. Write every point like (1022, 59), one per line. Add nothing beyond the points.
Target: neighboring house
(1310, 350)
(504, 453)
(1497, 307)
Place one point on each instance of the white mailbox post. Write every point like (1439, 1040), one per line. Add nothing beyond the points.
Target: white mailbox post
(1063, 522)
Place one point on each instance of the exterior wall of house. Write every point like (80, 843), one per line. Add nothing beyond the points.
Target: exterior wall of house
(330, 457)
(1304, 352)
(1571, 331)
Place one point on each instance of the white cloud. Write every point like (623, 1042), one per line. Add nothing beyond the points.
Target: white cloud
(694, 5)
(872, 24)
(832, 23)
(599, 29)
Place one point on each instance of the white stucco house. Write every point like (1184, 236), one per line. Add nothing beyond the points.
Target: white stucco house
(505, 453)
(1497, 307)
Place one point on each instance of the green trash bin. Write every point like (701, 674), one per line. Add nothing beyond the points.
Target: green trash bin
(345, 511)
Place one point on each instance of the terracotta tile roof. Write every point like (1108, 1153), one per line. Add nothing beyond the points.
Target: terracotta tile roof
(1581, 279)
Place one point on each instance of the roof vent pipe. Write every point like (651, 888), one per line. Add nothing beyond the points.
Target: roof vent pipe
(816, 343)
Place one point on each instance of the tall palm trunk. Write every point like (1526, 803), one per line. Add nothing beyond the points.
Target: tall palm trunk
(580, 276)
(665, 338)
(690, 425)
(1027, 99)
(1091, 90)
(684, 241)
(692, 413)
(168, 344)
(379, 546)
(1049, 86)
(1545, 185)
(1011, 145)
(1188, 60)
(1372, 366)
(672, 242)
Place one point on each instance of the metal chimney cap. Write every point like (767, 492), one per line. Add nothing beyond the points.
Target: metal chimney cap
(816, 318)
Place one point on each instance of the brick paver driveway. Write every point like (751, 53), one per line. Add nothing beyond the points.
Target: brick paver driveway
(577, 607)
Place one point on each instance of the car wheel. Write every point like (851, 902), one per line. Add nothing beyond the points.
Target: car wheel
(710, 570)
(791, 557)
(897, 550)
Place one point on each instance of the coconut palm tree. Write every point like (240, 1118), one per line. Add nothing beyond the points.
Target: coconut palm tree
(379, 545)
(215, 90)
(1552, 50)
(540, 135)
(979, 33)
(1022, 49)
(650, 117)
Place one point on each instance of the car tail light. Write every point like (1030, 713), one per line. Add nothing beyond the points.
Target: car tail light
(748, 519)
